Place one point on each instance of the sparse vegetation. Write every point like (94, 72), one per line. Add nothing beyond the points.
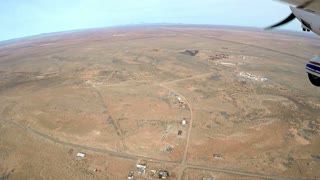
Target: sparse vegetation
(126, 102)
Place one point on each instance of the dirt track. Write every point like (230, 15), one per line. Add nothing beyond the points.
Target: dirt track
(183, 165)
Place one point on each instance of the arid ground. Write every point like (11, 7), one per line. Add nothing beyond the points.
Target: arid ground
(196, 101)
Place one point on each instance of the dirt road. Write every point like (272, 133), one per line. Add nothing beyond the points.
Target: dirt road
(136, 157)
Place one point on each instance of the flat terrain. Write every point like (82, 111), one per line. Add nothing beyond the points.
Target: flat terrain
(119, 95)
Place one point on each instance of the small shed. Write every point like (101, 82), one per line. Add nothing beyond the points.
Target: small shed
(80, 154)
(163, 174)
(130, 175)
(217, 156)
(184, 121)
(169, 149)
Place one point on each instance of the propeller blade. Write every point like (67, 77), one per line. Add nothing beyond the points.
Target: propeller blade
(288, 19)
(291, 16)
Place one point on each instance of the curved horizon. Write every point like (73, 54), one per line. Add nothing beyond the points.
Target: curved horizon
(160, 25)
(24, 19)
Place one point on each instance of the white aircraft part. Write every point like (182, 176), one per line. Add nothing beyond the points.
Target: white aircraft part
(310, 18)
(313, 67)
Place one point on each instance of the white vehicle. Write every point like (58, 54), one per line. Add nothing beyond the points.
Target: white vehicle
(308, 13)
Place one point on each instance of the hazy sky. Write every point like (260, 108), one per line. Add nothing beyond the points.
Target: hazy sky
(20, 18)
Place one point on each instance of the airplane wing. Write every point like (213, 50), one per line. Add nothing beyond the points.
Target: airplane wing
(314, 6)
(308, 13)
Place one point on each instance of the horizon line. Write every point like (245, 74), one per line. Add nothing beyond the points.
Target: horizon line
(149, 25)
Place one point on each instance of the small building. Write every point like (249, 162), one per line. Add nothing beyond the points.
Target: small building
(163, 174)
(179, 132)
(190, 52)
(141, 167)
(217, 156)
(80, 154)
(153, 172)
(184, 121)
(130, 175)
(169, 150)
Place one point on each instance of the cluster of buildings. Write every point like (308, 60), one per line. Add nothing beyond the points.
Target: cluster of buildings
(252, 77)
(218, 57)
(141, 169)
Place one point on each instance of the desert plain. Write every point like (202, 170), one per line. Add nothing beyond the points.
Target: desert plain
(200, 102)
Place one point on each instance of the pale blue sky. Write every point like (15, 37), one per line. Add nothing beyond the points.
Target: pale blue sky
(20, 18)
